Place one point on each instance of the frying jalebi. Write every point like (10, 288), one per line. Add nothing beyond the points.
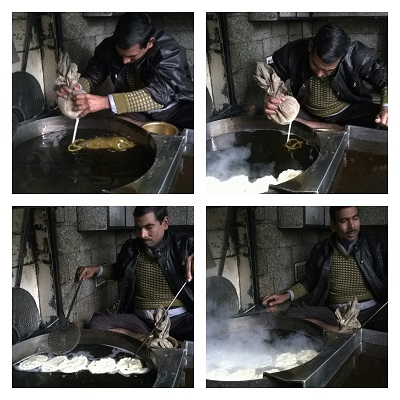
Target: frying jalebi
(113, 143)
(293, 144)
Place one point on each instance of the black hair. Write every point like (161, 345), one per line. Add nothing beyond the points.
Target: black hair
(132, 29)
(159, 212)
(334, 209)
(331, 43)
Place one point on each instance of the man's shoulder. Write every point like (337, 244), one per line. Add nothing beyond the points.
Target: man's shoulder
(373, 238)
(106, 45)
(325, 243)
(297, 45)
(177, 235)
(356, 46)
(295, 51)
(358, 52)
(132, 242)
(165, 44)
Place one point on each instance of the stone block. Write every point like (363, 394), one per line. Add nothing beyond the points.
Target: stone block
(216, 217)
(283, 279)
(290, 217)
(370, 215)
(263, 16)
(279, 258)
(92, 218)
(268, 236)
(177, 215)
(266, 284)
(301, 253)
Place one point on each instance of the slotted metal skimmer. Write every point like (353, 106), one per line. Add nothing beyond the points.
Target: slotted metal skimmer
(67, 335)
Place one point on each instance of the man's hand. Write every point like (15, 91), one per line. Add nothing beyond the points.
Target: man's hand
(382, 119)
(190, 267)
(89, 103)
(270, 301)
(65, 91)
(271, 105)
(86, 272)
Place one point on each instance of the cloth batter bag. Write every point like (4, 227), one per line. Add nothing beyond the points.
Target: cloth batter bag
(347, 316)
(68, 75)
(162, 326)
(268, 80)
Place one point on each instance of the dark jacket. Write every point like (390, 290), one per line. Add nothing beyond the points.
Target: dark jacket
(171, 256)
(163, 69)
(370, 253)
(358, 66)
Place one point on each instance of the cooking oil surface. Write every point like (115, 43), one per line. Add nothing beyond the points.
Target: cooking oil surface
(361, 172)
(257, 153)
(44, 164)
(85, 378)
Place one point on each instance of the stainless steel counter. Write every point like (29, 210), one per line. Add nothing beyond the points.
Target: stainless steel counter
(367, 366)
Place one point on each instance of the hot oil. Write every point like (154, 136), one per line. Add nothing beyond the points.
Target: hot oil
(86, 378)
(44, 165)
(361, 172)
(257, 153)
(248, 351)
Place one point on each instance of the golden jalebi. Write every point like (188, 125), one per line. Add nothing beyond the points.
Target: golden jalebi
(293, 144)
(112, 143)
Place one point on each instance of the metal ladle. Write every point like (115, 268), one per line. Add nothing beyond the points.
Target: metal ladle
(67, 335)
(374, 314)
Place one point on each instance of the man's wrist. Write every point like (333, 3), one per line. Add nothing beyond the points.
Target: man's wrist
(291, 295)
(111, 104)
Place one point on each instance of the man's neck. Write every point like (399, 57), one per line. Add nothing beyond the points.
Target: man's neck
(346, 246)
(154, 248)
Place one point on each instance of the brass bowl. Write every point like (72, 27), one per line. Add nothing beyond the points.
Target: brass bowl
(160, 128)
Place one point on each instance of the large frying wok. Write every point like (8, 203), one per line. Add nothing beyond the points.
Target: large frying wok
(43, 164)
(333, 349)
(98, 344)
(363, 151)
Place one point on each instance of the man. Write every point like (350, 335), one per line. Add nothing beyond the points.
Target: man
(153, 269)
(327, 77)
(348, 264)
(149, 70)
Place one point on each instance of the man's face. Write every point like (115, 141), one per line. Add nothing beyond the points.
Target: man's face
(346, 224)
(320, 69)
(135, 53)
(150, 230)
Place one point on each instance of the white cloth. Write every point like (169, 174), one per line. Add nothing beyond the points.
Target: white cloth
(268, 80)
(68, 75)
(347, 316)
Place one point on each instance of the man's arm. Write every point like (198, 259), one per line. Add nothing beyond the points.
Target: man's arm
(135, 101)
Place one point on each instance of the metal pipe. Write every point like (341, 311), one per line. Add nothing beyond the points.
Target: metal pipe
(251, 223)
(227, 57)
(54, 259)
(22, 247)
(28, 36)
(225, 241)
(58, 37)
